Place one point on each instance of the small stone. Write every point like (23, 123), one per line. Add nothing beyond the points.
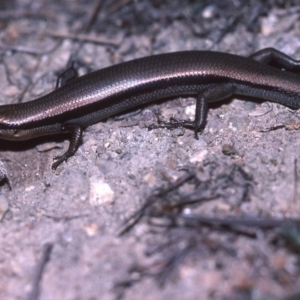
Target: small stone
(11, 91)
(228, 149)
(178, 131)
(100, 193)
(91, 229)
(198, 157)
(150, 179)
(209, 11)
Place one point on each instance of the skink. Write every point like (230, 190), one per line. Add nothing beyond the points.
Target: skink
(209, 76)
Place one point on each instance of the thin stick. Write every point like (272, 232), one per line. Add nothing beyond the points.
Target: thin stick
(117, 6)
(93, 16)
(263, 223)
(34, 294)
(295, 182)
(21, 14)
(27, 50)
(83, 37)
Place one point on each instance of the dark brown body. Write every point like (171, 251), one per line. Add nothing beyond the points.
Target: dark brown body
(211, 76)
